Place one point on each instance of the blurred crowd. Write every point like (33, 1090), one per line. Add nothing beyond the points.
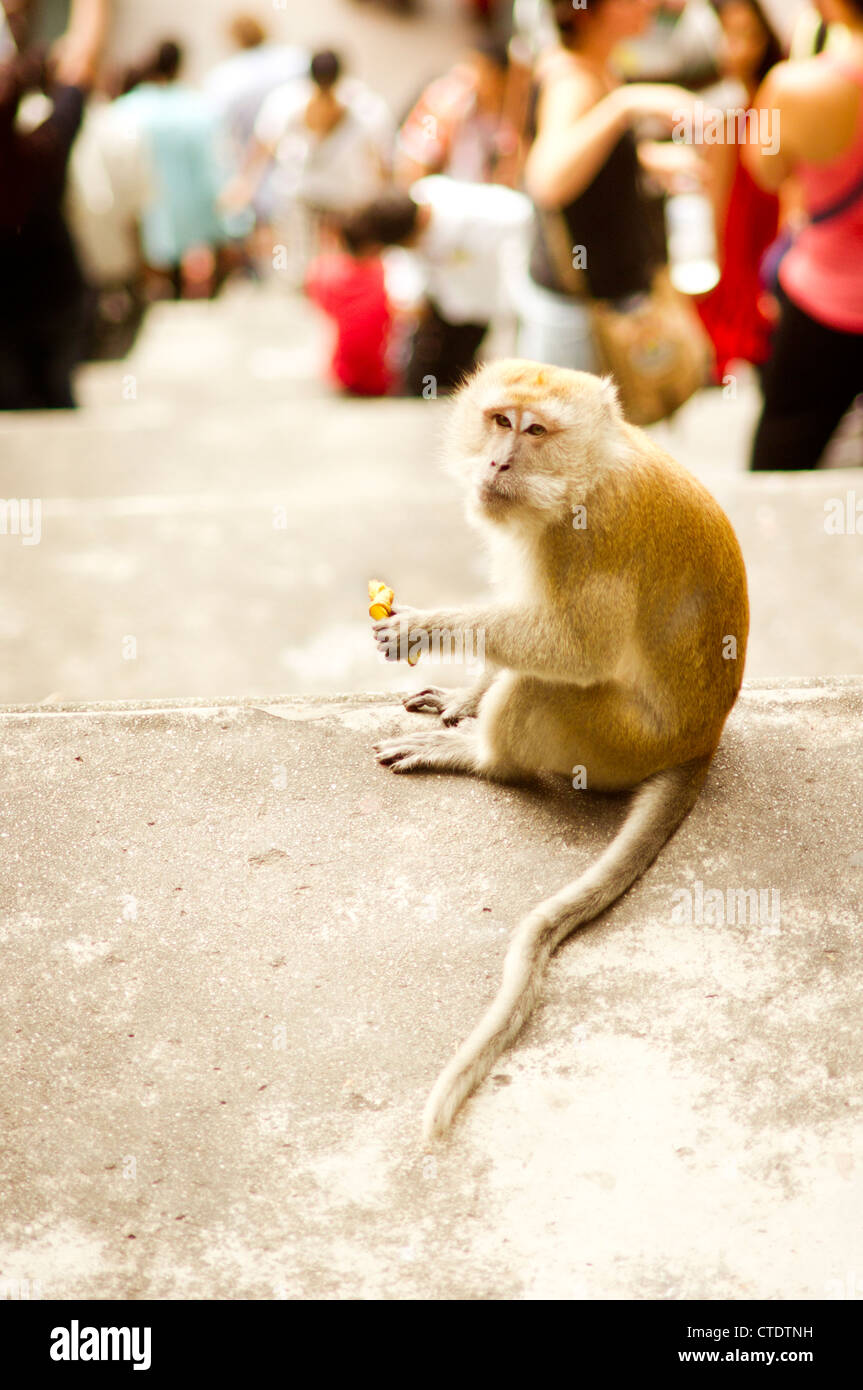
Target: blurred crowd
(600, 185)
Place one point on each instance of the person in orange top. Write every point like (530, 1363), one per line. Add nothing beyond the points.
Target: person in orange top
(458, 126)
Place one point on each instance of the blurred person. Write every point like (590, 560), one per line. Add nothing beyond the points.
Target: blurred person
(736, 314)
(400, 7)
(239, 84)
(812, 33)
(533, 22)
(680, 44)
(34, 23)
(490, 12)
(14, 27)
(815, 370)
(110, 185)
(588, 184)
(182, 229)
(42, 289)
(322, 147)
(350, 286)
(452, 285)
(465, 239)
(9, 46)
(329, 136)
(459, 124)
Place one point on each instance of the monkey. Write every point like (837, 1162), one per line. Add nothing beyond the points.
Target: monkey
(617, 646)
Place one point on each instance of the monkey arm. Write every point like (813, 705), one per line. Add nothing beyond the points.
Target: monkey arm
(466, 703)
(534, 641)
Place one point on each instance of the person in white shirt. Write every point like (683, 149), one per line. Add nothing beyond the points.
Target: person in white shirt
(324, 141)
(463, 239)
(322, 148)
(239, 85)
(471, 233)
(110, 184)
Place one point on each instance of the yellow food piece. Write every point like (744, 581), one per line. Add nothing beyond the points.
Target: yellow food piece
(381, 600)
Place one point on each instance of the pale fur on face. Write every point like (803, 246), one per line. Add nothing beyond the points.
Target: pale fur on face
(563, 428)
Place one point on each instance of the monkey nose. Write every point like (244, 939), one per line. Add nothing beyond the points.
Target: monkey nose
(501, 467)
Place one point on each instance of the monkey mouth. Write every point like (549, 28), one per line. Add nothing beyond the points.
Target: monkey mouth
(492, 497)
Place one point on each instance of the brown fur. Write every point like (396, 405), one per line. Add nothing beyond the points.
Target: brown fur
(608, 651)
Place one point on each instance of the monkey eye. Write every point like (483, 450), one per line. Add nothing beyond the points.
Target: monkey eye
(536, 429)
(503, 421)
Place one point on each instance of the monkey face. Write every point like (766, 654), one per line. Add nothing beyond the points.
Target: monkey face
(512, 461)
(521, 439)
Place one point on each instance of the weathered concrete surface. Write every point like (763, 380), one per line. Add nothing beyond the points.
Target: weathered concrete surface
(237, 952)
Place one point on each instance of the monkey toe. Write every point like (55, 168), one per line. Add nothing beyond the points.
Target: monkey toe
(392, 750)
(408, 763)
(430, 701)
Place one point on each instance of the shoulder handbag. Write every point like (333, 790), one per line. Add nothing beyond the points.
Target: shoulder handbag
(653, 344)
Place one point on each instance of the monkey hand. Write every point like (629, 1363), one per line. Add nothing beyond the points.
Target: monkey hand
(401, 636)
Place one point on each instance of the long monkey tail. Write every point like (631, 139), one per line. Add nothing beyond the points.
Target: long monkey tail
(658, 807)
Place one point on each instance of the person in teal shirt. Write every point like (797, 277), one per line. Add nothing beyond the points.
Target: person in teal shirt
(180, 127)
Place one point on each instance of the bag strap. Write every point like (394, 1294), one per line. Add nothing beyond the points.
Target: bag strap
(854, 194)
(557, 238)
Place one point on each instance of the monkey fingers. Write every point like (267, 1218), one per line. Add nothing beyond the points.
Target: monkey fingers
(394, 636)
(388, 639)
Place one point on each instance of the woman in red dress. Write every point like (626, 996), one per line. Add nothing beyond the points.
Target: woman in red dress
(738, 313)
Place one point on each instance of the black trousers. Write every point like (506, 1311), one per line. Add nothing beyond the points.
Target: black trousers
(38, 357)
(443, 351)
(811, 379)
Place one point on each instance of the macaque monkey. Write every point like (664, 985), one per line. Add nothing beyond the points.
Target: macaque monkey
(617, 648)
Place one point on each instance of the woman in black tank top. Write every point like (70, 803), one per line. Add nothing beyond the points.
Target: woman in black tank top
(598, 232)
(616, 219)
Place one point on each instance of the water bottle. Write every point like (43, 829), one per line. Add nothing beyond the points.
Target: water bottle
(692, 258)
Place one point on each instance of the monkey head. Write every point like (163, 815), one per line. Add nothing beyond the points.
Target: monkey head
(527, 440)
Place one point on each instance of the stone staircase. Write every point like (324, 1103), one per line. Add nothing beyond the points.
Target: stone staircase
(216, 503)
(237, 952)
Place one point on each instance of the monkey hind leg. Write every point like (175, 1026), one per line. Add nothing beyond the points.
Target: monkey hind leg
(442, 750)
(543, 726)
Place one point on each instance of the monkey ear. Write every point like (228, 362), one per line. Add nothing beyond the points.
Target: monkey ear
(610, 396)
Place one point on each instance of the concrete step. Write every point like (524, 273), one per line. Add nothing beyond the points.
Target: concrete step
(255, 343)
(237, 952)
(264, 350)
(316, 448)
(264, 346)
(215, 531)
(244, 572)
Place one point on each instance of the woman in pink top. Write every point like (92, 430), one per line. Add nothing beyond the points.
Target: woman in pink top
(815, 108)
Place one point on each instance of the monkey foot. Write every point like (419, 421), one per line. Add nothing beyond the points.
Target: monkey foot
(451, 705)
(428, 701)
(455, 713)
(438, 751)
